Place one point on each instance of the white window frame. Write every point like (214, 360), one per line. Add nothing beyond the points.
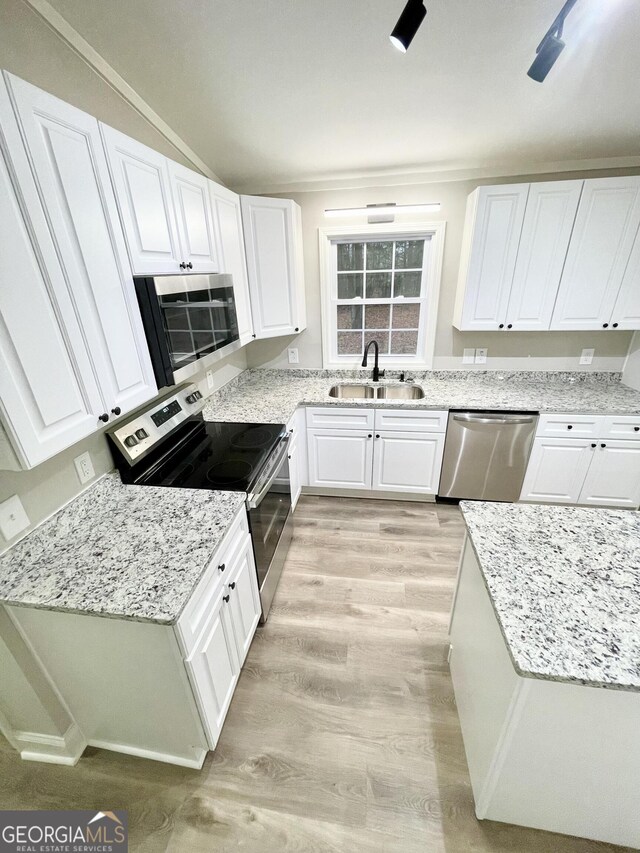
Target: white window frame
(432, 271)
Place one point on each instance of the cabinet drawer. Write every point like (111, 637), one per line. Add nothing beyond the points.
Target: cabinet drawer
(341, 418)
(411, 420)
(570, 426)
(621, 426)
(198, 609)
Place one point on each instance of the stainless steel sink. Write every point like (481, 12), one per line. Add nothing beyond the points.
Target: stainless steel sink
(382, 392)
(354, 392)
(400, 392)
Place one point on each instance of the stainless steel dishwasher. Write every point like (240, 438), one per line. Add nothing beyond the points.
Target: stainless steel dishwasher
(486, 454)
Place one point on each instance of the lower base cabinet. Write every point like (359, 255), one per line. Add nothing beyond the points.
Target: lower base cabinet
(407, 462)
(340, 458)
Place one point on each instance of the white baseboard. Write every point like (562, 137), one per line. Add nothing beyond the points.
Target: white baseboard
(366, 493)
(180, 760)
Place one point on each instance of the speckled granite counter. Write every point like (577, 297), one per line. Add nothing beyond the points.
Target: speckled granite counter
(565, 587)
(132, 552)
(272, 396)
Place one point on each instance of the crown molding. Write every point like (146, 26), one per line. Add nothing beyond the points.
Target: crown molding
(94, 60)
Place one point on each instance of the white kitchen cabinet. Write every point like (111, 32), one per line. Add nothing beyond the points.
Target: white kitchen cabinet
(557, 469)
(546, 230)
(605, 228)
(71, 173)
(232, 256)
(295, 478)
(626, 311)
(244, 600)
(490, 245)
(143, 190)
(194, 217)
(273, 239)
(407, 462)
(340, 458)
(613, 477)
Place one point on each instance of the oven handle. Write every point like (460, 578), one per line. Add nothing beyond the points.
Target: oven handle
(254, 501)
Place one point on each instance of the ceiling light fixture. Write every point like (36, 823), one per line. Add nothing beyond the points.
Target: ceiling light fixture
(377, 209)
(551, 46)
(408, 24)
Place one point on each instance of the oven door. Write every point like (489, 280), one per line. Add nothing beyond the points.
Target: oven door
(271, 525)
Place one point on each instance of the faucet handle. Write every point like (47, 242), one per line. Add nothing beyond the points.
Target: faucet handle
(402, 376)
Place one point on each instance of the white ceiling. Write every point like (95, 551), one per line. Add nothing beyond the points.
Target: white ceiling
(273, 93)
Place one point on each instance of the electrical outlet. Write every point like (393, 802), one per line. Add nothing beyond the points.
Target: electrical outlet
(84, 467)
(13, 518)
(468, 355)
(293, 355)
(481, 355)
(210, 380)
(587, 356)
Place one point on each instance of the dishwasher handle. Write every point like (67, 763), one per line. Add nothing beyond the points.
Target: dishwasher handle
(494, 419)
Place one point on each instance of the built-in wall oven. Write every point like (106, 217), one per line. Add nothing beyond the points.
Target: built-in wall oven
(170, 444)
(186, 319)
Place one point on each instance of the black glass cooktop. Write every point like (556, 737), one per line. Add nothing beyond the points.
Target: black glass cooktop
(212, 455)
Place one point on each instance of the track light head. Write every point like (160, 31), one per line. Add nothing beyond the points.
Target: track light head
(408, 25)
(549, 51)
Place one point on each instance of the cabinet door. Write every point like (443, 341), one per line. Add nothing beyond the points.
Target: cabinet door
(143, 191)
(557, 469)
(492, 232)
(340, 458)
(195, 219)
(407, 462)
(213, 669)
(244, 600)
(295, 478)
(613, 478)
(273, 238)
(605, 228)
(71, 172)
(233, 259)
(626, 311)
(548, 222)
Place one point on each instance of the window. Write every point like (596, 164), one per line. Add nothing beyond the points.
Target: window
(379, 286)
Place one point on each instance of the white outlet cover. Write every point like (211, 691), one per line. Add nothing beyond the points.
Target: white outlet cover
(84, 467)
(13, 518)
(481, 355)
(293, 355)
(587, 356)
(210, 380)
(468, 355)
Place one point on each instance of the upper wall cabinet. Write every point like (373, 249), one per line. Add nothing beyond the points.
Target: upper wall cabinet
(165, 209)
(273, 239)
(599, 251)
(70, 170)
(231, 252)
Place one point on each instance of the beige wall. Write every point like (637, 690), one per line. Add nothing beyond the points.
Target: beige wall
(631, 375)
(508, 350)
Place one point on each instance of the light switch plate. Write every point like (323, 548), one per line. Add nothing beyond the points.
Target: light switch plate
(293, 355)
(468, 355)
(587, 356)
(84, 467)
(13, 518)
(481, 355)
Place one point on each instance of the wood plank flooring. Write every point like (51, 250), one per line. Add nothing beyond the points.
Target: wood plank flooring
(342, 734)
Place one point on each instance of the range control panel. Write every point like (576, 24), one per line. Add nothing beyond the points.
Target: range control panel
(144, 430)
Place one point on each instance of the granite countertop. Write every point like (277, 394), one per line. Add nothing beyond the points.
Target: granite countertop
(128, 552)
(272, 396)
(565, 587)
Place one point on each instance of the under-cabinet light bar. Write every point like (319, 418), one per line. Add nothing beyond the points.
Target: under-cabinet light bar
(376, 209)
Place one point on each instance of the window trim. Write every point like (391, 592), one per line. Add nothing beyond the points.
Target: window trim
(435, 231)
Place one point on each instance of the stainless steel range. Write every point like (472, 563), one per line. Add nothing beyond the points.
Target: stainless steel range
(170, 444)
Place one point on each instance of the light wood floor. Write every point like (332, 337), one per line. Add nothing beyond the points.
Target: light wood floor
(343, 733)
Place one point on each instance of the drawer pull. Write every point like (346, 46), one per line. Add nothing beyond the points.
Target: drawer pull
(636, 429)
(226, 598)
(232, 585)
(569, 426)
(594, 445)
(603, 445)
(221, 567)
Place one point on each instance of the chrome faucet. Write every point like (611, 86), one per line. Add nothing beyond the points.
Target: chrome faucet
(377, 374)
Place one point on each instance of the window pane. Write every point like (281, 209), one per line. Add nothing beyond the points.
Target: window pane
(378, 285)
(350, 256)
(407, 283)
(176, 319)
(349, 316)
(409, 254)
(377, 316)
(349, 343)
(350, 285)
(404, 343)
(406, 317)
(381, 337)
(379, 256)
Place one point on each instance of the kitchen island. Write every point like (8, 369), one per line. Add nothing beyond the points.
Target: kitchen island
(545, 662)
